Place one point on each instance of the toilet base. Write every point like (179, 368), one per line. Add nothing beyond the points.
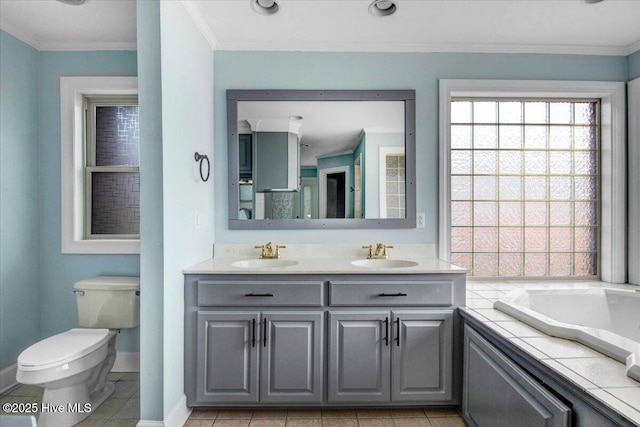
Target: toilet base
(76, 397)
(56, 411)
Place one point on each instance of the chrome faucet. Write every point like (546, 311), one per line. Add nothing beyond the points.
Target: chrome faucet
(380, 251)
(267, 252)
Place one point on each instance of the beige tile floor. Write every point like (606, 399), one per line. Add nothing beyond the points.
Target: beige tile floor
(121, 409)
(325, 418)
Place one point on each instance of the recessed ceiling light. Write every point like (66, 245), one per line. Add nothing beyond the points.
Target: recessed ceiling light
(295, 118)
(264, 7)
(592, 1)
(382, 8)
(73, 2)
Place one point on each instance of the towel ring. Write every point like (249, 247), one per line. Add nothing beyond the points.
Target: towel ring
(200, 158)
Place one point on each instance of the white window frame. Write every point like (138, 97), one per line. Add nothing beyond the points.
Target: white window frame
(612, 254)
(73, 91)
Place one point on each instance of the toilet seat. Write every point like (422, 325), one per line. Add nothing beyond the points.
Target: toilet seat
(62, 348)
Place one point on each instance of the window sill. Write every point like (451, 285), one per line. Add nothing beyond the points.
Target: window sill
(102, 246)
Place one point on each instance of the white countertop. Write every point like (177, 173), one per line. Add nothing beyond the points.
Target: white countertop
(324, 259)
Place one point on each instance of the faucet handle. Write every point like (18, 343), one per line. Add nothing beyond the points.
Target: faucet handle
(278, 247)
(370, 247)
(262, 252)
(384, 251)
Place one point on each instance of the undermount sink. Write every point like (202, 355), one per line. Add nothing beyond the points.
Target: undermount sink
(264, 263)
(384, 263)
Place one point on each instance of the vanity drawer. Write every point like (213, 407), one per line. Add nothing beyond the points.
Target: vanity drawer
(387, 293)
(260, 293)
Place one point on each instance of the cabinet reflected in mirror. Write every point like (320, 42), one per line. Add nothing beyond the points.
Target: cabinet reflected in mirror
(332, 159)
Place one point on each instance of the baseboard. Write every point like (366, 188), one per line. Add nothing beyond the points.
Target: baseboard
(179, 413)
(126, 362)
(177, 417)
(8, 377)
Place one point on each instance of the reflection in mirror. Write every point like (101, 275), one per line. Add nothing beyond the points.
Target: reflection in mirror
(335, 141)
(299, 160)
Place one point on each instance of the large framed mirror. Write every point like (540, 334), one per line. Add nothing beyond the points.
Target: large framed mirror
(312, 159)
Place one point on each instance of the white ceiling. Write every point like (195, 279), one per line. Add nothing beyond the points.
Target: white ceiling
(522, 26)
(51, 25)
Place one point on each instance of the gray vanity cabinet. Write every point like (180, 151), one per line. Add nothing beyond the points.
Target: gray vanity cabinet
(422, 362)
(322, 340)
(291, 356)
(397, 356)
(227, 356)
(359, 356)
(286, 346)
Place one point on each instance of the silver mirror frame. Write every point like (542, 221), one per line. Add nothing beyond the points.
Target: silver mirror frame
(409, 99)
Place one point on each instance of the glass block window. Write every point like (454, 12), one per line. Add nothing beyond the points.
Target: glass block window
(395, 186)
(112, 181)
(525, 187)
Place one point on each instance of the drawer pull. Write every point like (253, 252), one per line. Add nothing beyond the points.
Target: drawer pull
(258, 295)
(399, 294)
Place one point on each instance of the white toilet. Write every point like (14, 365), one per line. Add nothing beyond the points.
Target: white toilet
(73, 366)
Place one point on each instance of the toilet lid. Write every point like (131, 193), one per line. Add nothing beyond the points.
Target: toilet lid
(62, 348)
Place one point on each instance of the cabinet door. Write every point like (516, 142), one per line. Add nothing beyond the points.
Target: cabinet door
(422, 356)
(359, 361)
(291, 356)
(498, 393)
(227, 356)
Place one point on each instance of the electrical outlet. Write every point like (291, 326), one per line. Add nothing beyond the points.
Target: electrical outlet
(420, 219)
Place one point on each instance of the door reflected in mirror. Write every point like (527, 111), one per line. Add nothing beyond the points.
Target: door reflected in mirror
(325, 159)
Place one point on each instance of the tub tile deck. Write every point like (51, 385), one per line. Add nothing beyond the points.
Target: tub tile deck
(599, 375)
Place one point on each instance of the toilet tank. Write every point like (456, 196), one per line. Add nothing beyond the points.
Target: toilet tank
(111, 302)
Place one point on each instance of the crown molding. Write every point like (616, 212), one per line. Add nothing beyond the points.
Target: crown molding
(62, 45)
(633, 48)
(86, 46)
(424, 48)
(200, 22)
(17, 33)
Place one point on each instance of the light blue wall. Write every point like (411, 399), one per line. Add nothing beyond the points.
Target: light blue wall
(151, 238)
(187, 127)
(19, 221)
(634, 65)
(419, 71)
(59, 271)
